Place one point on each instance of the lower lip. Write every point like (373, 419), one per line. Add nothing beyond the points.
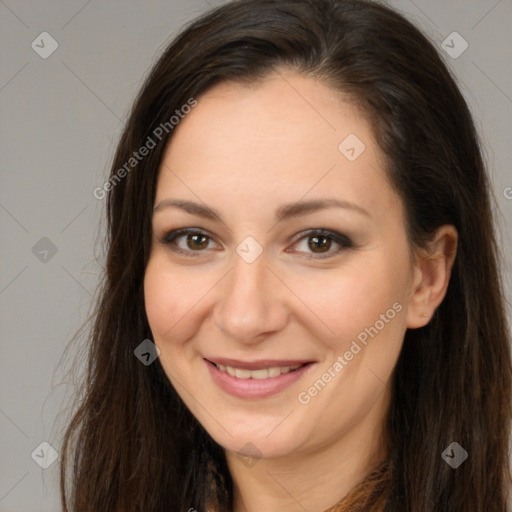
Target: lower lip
(255, 388)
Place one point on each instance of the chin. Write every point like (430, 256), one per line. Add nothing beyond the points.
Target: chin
(256, 442)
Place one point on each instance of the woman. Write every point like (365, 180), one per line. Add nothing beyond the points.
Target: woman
(302, 306)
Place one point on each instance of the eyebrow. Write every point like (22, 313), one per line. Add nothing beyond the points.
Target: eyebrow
(285, 211)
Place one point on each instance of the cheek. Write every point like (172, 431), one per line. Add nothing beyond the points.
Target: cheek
(366, 313)
(159, 300)
(346, 304)
(173, 308)
(170, 301)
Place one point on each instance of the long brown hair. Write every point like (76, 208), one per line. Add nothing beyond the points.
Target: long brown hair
(132, 444)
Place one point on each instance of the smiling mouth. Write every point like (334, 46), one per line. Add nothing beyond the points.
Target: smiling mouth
(259, 374)
(256, 379)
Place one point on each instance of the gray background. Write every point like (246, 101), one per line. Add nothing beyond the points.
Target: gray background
(60, 120)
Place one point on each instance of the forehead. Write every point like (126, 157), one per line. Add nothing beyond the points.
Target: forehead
(280, 138)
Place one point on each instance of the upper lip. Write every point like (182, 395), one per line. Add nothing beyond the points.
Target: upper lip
(257, 365)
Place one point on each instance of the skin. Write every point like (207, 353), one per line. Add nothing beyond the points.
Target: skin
(244, 151)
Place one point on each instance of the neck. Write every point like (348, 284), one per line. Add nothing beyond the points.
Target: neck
(314, 478)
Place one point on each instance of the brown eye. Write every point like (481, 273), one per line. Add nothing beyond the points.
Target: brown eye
(187, 241)
(319, 244)
(323, 243)
(197, 241)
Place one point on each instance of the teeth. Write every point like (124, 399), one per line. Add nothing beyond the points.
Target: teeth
(260, 374)
(242, 374)
(264, 373)
(274, 372)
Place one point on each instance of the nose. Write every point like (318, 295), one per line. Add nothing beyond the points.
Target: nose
(251, 302)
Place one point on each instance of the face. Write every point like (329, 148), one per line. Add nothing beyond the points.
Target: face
(277, 284)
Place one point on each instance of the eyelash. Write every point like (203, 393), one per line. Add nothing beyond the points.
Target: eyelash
(343, 241)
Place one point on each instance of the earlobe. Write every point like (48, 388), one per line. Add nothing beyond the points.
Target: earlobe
(431, 276)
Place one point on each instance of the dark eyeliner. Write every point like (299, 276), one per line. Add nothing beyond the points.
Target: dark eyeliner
(169, 238)
(343, 241)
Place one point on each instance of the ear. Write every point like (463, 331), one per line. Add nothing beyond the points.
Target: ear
(431, 275)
